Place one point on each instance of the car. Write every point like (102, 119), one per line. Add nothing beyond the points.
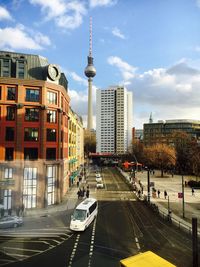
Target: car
(100, 185)
(10, 221)
(99, 180)
(98, 175)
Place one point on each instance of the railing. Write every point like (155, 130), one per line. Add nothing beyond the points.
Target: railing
(167, 217)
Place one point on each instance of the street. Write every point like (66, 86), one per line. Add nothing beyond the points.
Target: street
(124, 227)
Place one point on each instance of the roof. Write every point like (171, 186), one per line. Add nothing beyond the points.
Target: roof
(146, 259)
(85, 203)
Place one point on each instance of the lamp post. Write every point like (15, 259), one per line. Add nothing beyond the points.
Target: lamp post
(148, 186)
(183, 198)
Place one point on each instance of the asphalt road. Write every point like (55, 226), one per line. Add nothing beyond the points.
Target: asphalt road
(124, 227)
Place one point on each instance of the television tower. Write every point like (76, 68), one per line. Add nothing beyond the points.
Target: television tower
(90, 72)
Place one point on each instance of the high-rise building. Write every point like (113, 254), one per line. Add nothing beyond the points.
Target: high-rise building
(90, 72)
(114, 120)
(34, 106)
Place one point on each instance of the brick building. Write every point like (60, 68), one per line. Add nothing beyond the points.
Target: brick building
(34, 105)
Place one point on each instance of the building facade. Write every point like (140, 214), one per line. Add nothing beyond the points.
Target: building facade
(114, 120)
(34, 107)
(161, 132)
(75, 141)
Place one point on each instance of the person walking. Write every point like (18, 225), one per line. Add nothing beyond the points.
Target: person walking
(87, 193)
(192, 191)
(165, 194)
(79, 193)
(158, 193)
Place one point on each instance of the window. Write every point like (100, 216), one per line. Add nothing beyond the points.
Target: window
(51, 154)
(30, 153)
(20, 69)
(32, 114)
(10, 116)
(51, 178)
(8, 173)
(9, 153)
(6, 68)
(30, 134)
(30, 186)
(51, 116)
(10, 133)
(7, 200)
(51, 98)
(51, 135)
(11, 93)
(32, 95)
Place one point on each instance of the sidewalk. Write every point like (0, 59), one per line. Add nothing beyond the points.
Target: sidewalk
(173, 186)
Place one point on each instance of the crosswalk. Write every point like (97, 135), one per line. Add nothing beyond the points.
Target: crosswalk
(20, 245)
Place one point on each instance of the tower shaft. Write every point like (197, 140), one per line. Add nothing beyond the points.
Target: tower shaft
(90, 117)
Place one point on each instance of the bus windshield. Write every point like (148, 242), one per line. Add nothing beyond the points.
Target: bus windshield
(79, 215)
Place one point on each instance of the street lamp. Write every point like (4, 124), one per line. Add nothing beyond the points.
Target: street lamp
(148, 186)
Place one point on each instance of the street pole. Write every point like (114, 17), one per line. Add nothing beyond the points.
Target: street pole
(148, 186)
(183, 198)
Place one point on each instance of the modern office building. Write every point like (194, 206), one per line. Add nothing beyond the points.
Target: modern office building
(34, 107)
(114, 120)
(161, 132)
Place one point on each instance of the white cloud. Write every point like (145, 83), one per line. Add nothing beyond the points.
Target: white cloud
(95, 3)
(127, 71)
(117, 32)
(22, 39)
(77, 78)
(171, 93)
(66, 14)
(4, 14)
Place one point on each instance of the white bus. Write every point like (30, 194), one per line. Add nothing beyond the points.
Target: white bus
(84, 214)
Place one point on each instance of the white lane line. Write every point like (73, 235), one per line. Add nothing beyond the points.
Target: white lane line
(73, 251)
(22, 249)
(92, 244)
(137, 243)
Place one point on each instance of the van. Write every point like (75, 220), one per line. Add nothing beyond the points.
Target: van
(84, 214)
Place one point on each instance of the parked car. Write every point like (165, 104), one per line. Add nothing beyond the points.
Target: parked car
(100, 185)
(98, 179)
(10, 221)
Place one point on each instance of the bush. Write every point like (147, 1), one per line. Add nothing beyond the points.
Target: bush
(194, 184)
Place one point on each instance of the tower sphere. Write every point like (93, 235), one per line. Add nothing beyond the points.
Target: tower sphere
(90, 71)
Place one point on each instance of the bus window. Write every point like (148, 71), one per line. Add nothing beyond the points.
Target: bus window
(79, 215)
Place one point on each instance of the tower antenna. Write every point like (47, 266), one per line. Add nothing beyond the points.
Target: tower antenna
(90, 48)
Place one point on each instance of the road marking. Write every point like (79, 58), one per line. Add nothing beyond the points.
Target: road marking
(74, 251)
(92, 244)
(137, 243)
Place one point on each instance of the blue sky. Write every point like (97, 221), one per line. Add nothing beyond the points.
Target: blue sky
(150, 46)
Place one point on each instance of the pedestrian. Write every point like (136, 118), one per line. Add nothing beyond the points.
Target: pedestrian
(17, 211)
(165, 194)
(158, 193)
(83, 192)
(79, 193)
(9, 212)
(22, 209)
(192, 191)
(142, 188)
(87, 193)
